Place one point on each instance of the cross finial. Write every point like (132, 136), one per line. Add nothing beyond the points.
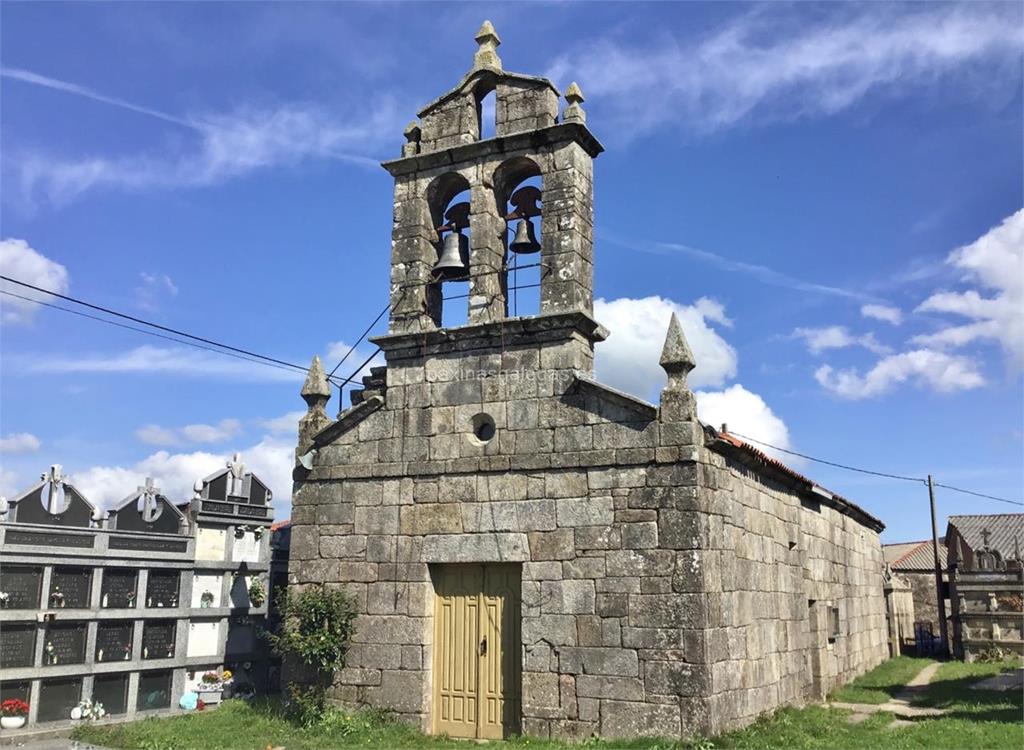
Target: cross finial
(149, 492)
(55, 492)
(237, 472)
(985, 534)
(54, 475)
(487, 54)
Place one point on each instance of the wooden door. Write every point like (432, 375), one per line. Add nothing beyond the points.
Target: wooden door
(476, 650)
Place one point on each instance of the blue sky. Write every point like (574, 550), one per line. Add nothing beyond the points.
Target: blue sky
(828, 194)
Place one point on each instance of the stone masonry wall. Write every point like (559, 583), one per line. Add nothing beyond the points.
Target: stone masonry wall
(769, 554)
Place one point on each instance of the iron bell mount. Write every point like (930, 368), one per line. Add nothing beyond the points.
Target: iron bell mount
(453, 264)
(525, 201)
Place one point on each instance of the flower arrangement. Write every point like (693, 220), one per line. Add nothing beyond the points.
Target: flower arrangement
(257, 594)
(5, 598)
(130, 597)
(88, 710)
(257, 532)
(214, 680)
(206, 599)
(51, 653)
(13, 707)
(57, 598)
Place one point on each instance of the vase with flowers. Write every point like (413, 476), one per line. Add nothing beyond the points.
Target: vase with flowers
(13, 713)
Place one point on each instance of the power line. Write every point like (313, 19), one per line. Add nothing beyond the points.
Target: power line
(141, 321)
(359, 340)
(144, 331)
(978, 494)
(830, 463)
(875, 473)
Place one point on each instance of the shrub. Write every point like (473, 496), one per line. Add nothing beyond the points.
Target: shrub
(317, 626)
(307, 704)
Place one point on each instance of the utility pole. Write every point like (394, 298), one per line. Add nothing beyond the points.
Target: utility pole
(943, 634)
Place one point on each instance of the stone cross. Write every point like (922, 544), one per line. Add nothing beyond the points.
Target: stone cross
(55, 490)
(237, 476)
(149, 492)
(985, 534)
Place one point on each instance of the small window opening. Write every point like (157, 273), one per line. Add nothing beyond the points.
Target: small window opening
(833, 624)
(524, 269)
(486, 114)
(483, 427)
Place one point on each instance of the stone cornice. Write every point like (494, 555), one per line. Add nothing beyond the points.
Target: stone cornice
(347, 420)
(530, 140)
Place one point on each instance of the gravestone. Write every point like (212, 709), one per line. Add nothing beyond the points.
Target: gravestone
(162, 589)
(203, 638)
(112, 691)
(210, 544)
(22, 584)
(65, 644)
(245, 547)
(57, 698)
(158, 638)
(119, 588)
(154, 690)
(114, 640)
(76, 586)
(202, 583)
(17, 645)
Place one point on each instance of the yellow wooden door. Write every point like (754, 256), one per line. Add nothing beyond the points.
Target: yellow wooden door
(476, 650)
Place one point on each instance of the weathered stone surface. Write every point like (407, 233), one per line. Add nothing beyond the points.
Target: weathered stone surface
(431, 518)
(633, 719)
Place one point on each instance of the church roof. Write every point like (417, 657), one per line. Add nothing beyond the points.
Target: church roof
(909, 556)
(1006, 531)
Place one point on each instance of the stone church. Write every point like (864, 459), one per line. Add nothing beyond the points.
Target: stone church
(533, 551)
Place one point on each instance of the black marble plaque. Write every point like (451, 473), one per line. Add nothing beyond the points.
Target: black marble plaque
(154, 690)
(75, 584)
(147, 545)
(47, 538)
(162, 589)
(118, 590)
(57, 698)
(20, 690)
(22, 584)
(158, 638)
(112, 691)
(17, 645)
(253, 511)
(211, 507)
(114, 640)
(65, 644)
(241, 639)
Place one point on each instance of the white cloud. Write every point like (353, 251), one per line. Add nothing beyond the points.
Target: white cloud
(153, 289)
(885, 313)
(193, 433)
(9, 486)
(925, 367)
(774, 65)
(175, 473)
(746, 414)
(837, 337)
(230, 145)
(19, 442)
(21, 262)
(153, 360)
(995, 261)
(629, 358)
(286, 423)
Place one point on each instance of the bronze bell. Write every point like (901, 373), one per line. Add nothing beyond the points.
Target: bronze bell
(525, 241)
(453, 265)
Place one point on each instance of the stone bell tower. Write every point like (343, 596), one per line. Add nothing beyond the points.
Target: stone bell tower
(444, 155)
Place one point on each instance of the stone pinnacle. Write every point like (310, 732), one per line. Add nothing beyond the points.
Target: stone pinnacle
(316, 386)
(487, 55)
(676, 357)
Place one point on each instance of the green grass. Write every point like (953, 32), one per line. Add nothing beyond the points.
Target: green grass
(980, 720)
(883, 682)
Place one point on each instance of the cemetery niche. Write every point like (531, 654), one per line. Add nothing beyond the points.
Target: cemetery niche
(119, 588)
(21, 586)
(114, 640)
(118, 606)
(70, 588)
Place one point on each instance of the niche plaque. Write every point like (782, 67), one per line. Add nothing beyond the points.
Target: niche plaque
(118, 588)
(114, 641)
(158, 638)
(65, 644)
(162, 589)
(112, 692)
(154, 690)
(57, 698)
(70, 588)
(22, 584)
(17, 645)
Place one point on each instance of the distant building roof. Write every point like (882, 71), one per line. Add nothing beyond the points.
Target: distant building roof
(281, 524)
(910, 556)
(1005, 531)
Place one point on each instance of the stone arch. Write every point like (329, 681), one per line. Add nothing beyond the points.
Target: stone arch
(521, 287)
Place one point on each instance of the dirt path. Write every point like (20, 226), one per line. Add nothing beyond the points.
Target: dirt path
(900, 705)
